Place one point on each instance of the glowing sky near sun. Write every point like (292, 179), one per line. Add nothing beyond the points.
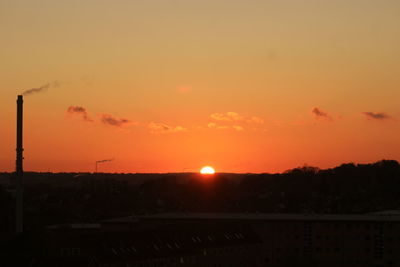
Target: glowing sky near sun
(170, 86)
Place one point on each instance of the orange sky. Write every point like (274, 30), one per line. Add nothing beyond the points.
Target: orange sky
(170, 86)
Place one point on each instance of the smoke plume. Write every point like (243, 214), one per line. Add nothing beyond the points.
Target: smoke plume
(104, 160)
(79, 110)
(41, 88)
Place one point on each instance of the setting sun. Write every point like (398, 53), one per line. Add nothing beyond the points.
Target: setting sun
(207, 170)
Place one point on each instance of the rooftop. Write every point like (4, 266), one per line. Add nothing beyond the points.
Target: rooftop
(375, 217)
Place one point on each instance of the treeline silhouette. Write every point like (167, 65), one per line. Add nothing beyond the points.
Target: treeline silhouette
(70, 197)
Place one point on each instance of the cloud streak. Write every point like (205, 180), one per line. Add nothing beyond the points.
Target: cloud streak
(235, 117)
(256, 120)
(376, 115)
(234, 120)
(213, 125)
(80, 111)
(320, 114)
(113, 121)
(228, 116)
(157, 128)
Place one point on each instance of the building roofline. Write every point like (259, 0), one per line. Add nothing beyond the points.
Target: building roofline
(259, 217)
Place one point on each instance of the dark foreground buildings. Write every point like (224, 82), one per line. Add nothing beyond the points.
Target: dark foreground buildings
(214, 240)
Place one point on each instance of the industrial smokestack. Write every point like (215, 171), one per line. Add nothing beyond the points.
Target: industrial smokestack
(19, 167)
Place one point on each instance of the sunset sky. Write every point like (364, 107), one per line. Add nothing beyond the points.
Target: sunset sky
(171, 86)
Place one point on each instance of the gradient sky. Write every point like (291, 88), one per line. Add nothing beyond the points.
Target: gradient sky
(171, 86)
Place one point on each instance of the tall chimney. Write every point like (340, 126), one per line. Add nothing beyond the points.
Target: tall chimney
(19, 167)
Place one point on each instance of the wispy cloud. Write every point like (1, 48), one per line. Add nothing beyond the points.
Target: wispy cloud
(376, 115)
(113, 121)
(80, 111)
(157, 128)
(320, 114)
(213, 125)
(234, 120)
(256, 120)
(238, 128)
(232, 116)
(228, 116)
(41, 88)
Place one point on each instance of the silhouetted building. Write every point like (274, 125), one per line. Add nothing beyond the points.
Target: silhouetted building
(220, 240)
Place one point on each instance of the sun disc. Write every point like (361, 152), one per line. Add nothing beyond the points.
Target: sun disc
(207, 170)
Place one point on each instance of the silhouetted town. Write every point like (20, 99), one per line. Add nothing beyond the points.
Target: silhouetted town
(344, 216)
